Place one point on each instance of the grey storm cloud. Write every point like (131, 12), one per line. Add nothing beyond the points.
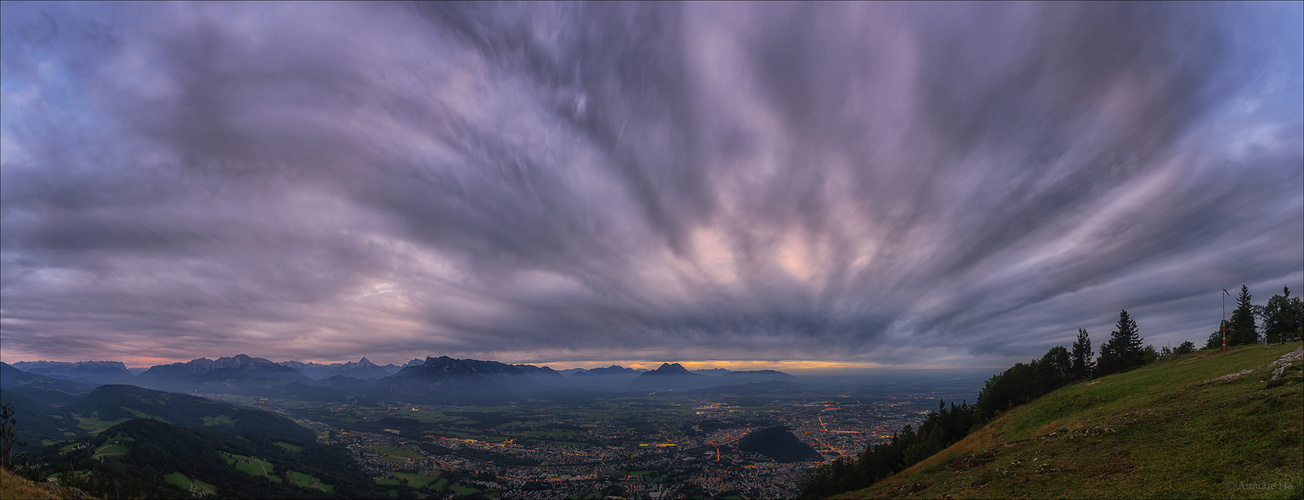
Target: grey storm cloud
(902, 184)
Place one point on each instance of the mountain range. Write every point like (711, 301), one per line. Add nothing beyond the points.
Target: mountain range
(97, 372)
(362, 369)
(674, 377)
(433, 380)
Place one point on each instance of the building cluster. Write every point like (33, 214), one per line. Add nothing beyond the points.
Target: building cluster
(696, 456)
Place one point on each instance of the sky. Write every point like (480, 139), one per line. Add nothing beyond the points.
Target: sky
(838, 186)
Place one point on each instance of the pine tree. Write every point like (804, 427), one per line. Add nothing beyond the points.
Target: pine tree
(10, 447)
(1080, 359)
(1241, 329)
(1123, 350)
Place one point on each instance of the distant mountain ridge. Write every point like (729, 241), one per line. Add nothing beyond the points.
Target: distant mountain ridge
(361, 369)
(714, 372)
(236, 373)
(670, 376)
(14, 379)
(465, 381)
(610, 370)
(435, 379)
(91, 371)
(614, 377)
(239, 362)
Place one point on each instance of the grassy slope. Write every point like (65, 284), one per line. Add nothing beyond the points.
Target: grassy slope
(1157, 431)
(12, 486)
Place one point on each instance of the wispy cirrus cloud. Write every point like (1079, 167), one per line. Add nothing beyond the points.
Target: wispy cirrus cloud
(860, 183)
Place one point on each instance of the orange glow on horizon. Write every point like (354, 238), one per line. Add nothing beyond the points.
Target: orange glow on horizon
(735, 365)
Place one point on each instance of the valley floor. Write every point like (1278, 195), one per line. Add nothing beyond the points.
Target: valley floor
(642, 447)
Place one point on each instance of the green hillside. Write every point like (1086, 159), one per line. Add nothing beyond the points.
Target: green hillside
(1172, 429)
(150, 458)
(46, 418)
(110, 405)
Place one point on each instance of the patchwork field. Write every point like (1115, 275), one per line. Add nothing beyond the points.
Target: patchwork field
(301, 479)
(113, 447)
(253, 466)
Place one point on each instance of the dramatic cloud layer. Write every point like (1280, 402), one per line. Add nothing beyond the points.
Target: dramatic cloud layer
(896, 184)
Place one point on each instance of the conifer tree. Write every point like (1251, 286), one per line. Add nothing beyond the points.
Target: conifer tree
(1241, 329)
(1080, 360)
(1123, 350)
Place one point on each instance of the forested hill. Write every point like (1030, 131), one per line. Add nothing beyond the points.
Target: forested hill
(1198, 425)
(47, 417)
(124, 402)
(154, 459)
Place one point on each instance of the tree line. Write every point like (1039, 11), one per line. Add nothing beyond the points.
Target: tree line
(1282, 318)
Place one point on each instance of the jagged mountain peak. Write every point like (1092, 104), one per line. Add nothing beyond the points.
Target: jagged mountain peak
(362, 364)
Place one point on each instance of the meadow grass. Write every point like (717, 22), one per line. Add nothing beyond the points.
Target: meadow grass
(13, 486)
(252, 466)
(114, 446)
(218, 420)
(1169, 429)
(301, 479)
(93, 425)
(183, 482)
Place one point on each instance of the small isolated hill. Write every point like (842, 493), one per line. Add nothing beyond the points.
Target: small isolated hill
(1207, 424)
(779, 444)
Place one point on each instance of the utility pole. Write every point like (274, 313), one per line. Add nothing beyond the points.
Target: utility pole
(1224, 320)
